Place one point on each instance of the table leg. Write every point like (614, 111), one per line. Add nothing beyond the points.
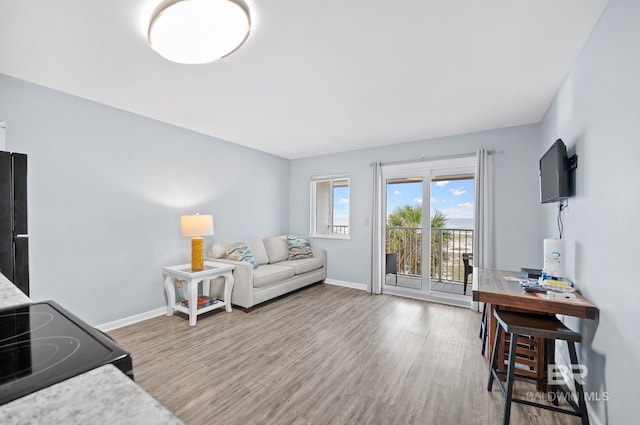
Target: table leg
(228, 287)
(206, 286)
(192, 290)
(491, 323)
(171, 294)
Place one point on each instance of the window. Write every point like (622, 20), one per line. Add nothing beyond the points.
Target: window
(330, 206)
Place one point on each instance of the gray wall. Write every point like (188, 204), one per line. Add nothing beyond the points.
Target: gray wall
(106, 192)
(516, 209)
(597, 113)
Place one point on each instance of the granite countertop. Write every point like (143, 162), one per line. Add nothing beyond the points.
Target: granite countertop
(101, 396)
(10, 294)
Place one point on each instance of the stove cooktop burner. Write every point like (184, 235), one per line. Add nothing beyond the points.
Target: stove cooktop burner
(42, 344)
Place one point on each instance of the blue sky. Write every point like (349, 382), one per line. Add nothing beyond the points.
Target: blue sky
(341, 206)
(454, 198)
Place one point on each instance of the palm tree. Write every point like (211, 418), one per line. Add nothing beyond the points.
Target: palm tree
(438, 239)
(439, 220)
(408, 242)
(406, 216)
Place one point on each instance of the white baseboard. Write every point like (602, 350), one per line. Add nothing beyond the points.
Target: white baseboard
(106, 327)
(353, 285)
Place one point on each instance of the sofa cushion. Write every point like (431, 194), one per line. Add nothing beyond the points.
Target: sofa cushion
(270, 273)
(304, 265)
(241, 252)
(299, 247)
(276, 248)
(257, 248)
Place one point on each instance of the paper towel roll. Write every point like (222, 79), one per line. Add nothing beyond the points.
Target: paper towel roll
(555, 257)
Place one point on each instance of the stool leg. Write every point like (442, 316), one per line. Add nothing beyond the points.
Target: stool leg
(582, 407)
(484, 320)
(485, 328)
(494, 357)
(551, 360)
(466, 281)
(513, 345)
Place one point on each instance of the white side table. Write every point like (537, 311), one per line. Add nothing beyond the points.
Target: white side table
(191, 279)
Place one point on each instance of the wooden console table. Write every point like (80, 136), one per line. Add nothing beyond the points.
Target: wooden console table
(491, 287)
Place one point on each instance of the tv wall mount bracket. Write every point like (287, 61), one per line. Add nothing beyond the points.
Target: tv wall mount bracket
(573, 161)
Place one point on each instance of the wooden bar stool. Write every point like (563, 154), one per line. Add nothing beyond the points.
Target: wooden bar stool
(467, 258)
(533, 325)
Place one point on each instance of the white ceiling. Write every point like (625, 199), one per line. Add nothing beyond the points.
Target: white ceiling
(314, 77)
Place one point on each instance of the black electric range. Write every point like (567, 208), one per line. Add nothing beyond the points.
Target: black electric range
(42, 344)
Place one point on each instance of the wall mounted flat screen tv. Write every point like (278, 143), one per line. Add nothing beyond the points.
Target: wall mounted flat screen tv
(555, 182)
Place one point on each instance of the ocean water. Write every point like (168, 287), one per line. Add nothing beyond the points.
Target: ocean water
(459, 223)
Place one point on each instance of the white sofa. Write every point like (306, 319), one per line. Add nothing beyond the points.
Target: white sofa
(275, 275)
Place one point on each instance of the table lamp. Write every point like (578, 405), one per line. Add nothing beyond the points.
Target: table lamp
(196, 226)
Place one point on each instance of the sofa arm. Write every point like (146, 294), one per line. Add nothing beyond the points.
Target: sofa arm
(242, 293)
(317, 252)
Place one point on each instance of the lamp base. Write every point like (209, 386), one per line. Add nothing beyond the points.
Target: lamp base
(197, 254)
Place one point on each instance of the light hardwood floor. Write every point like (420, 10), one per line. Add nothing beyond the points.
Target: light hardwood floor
(323, 355)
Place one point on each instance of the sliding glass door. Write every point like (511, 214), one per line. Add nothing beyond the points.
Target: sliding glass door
(451, 225)
(404, 231)
(428, 209)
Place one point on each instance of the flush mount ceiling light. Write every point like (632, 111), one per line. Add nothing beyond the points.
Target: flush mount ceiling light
(199, 31)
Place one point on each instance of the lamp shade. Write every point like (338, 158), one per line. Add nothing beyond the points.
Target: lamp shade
(196, 225)
(199, 31)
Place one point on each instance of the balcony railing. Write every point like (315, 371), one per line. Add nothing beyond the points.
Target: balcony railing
(447, 247)
(340, 230)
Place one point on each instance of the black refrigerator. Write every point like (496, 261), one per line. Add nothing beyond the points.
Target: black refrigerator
(14, 239)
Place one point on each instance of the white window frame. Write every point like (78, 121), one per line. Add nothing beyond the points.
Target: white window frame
(329, 212)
